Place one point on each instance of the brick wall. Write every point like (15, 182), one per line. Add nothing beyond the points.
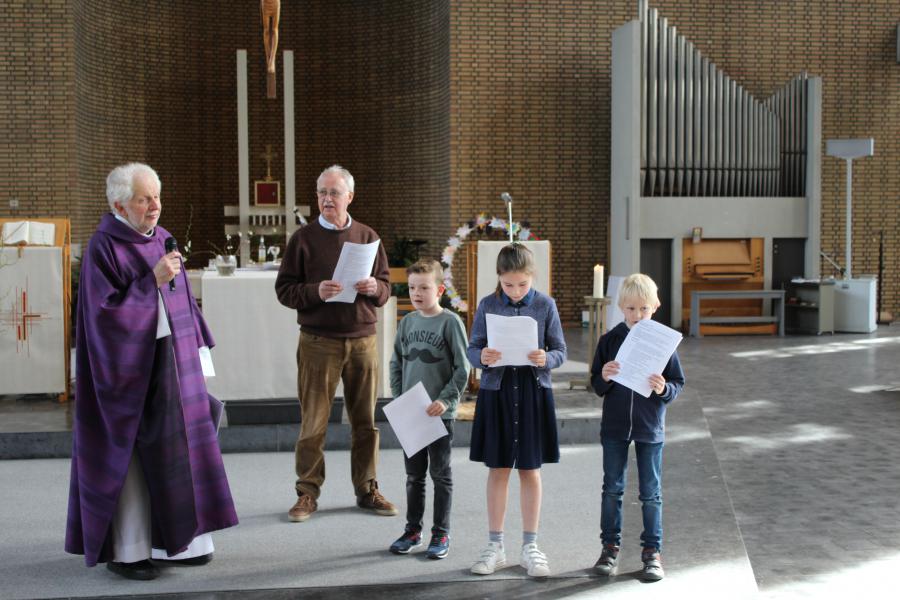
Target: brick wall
(373, 95)
(88, 85)
(37, 97)
(161, 90)
(436, 107)
(530, 87)
(852, 46)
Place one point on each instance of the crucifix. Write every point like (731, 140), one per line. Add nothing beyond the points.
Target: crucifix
(267, 156)
(271, 10)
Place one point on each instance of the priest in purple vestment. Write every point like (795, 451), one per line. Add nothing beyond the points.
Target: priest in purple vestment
(147, 478)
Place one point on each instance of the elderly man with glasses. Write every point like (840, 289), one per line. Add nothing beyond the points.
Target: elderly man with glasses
(337, 343)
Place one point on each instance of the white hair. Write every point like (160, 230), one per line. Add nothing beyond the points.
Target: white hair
(344, 173)
(120, 183)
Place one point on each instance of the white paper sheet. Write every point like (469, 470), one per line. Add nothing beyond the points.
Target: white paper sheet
(354, 265)
(514, 337)
(162, 318)
(645, 351)
(614, 314)
(206, 362)
(412, 425)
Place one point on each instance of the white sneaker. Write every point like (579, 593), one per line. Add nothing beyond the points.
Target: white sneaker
(535, 561)
(492, 558)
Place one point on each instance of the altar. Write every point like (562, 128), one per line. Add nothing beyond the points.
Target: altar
(256, 337)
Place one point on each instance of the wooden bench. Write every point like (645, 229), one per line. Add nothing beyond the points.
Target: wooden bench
(698, 295)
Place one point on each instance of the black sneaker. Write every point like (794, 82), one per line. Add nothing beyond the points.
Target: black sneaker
(652, 560)
(439, 547)
(406, 542)
(608, 561)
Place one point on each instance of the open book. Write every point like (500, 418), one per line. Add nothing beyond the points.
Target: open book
(33, 233)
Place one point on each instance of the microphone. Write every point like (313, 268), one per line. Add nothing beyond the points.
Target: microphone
(508, 199)
(171, 246)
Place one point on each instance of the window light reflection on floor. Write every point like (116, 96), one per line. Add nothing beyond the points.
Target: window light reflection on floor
(808, 349)
(802, 433)
(860, 579)
(740, 410)
(868, 389)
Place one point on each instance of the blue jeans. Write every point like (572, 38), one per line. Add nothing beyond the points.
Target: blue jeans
(649, 464)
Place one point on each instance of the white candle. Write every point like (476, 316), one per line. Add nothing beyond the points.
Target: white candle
(598, 281)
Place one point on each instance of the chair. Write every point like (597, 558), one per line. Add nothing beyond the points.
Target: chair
(404, 304)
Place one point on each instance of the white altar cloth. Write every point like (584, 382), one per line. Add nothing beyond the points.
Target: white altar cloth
(32, 323)
(256, 338)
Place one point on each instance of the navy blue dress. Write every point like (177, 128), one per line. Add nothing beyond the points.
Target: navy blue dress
(515, 426)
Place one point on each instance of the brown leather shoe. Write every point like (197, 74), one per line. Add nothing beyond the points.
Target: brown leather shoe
(375, 502)
(303, 508)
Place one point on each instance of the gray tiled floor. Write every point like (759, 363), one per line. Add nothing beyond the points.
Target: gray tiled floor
(787, 447)
(807, 433)
(34, 413)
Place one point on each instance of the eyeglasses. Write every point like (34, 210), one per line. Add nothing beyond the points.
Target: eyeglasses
(334, 194)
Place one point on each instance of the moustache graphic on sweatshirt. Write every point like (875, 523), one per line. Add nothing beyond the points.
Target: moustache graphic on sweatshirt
(424, 355)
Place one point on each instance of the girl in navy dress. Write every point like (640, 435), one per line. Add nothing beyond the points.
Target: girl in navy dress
(515, 417)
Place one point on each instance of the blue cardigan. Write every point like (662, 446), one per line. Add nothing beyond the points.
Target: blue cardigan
(536, 305)
(626, 415)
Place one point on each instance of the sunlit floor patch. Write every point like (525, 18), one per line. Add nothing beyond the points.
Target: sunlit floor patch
(868, 389)
(810, 349)
(724, 579)
(803, 433)
(870, 579)
(740, 410)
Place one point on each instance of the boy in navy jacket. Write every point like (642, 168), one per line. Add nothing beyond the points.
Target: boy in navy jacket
(629, 417)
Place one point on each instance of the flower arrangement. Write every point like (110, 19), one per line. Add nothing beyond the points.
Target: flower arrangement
(231, 246)
(232, 242)
(481, 224)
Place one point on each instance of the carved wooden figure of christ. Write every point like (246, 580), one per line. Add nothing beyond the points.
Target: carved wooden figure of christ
(271, 10)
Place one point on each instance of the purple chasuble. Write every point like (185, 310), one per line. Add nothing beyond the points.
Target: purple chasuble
(137, 394)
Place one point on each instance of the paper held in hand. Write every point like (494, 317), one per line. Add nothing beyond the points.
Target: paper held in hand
(645, 351)
(411, 424)
(513, 337)
(354, 265)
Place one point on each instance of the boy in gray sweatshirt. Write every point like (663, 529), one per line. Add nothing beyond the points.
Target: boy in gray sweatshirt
(430, 347)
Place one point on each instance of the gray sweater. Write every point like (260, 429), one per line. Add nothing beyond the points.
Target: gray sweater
(431, 350)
